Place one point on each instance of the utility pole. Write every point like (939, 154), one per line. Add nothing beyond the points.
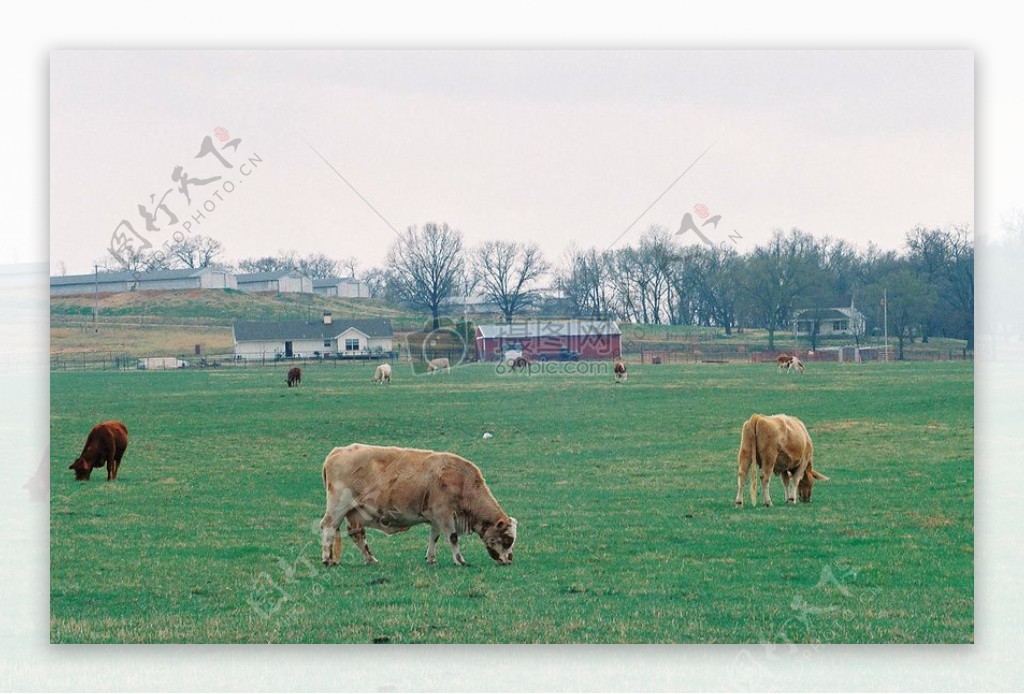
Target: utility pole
(95, 296)
(885, 319)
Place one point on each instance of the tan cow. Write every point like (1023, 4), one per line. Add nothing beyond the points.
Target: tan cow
(393, 489)
(779, 445)
(440, 364)
(382, 374)
(620, 370)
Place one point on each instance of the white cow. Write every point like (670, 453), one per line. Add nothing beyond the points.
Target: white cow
(383, 374)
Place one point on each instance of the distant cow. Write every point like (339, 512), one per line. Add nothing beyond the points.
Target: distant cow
(393, 489)
(790, 363)
(294, 376)
(382, 374)
(105, 445)
(779, 445)
(440, 364)
(520, 363)
(620, 370)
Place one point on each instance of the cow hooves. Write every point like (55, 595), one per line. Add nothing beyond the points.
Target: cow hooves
(790, 501)
(768, 505)
(738, 504)
(432, 562)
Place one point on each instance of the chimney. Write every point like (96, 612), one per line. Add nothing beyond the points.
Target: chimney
(327, 317)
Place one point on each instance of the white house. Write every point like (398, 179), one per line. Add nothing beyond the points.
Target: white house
(361, 338)
(156, 280)
(283, 281)
(344, 287)
(831, 321)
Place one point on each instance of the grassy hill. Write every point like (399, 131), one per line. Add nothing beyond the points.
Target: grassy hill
(217, 307)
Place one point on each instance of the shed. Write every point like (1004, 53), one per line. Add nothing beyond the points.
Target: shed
(283, 281)
(343, 287)
(593, 339)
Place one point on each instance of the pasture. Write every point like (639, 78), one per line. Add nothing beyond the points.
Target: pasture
(627, 532)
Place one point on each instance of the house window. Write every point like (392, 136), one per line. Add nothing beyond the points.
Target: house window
(327, 343)
(352, 345)
(839, 325)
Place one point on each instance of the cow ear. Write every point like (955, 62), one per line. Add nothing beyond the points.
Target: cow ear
(513, 522)
(72, 466)
(818, 476)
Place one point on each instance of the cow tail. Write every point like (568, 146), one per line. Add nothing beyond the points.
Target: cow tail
(753, 469)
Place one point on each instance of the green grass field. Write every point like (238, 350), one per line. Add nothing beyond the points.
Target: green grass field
(623, 493)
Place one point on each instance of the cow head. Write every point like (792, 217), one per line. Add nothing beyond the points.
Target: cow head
(82, 469)
(499, 539)
(807, 483)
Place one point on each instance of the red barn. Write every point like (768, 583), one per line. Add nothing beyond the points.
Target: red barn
(592, 339)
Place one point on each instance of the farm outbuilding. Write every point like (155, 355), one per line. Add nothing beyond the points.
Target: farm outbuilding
(592, 339)
(350, 338)
(831, 321)
(343, 287)
(283, 281)
(157, 280)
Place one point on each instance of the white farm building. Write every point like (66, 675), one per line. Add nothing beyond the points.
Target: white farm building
(283, 281)
(157, 280)
(362, 338)
(343, 287)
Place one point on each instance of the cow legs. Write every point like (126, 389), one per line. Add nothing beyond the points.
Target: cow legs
(330, 539)
(741, 479)
(358, 534)
(432, 545)
(453, 539)
(789, 486)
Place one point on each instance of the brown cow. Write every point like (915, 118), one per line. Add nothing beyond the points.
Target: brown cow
(779, 445)
(105, 445)
(520, 363)
(393, 489)
(294, 376)
(790, 363)
(620, 370)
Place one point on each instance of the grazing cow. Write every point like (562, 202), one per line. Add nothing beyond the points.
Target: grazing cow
(392, 489)
(382, 374)
(779, 445)
(105, 445)
(294, 376)
(790, 363)
(440, 364)
(620, 370)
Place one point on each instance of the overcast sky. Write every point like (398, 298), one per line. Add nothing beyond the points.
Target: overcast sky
(556, 147)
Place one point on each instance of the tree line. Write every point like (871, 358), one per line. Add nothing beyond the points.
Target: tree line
(925, 289)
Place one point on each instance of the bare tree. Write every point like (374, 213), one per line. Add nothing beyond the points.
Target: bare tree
(318, 266)
(584, 280)
(505, 270)
(196, 251)
(349, 265)
(376, 280)
(136, 260)
(267, 263)
(427, 266)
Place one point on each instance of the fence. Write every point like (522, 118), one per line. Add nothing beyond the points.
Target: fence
(709, 354)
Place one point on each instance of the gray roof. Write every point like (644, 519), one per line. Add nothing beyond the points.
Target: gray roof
(551, 328)
(315, 330)
(331, 281)
(265, 276)
(827, 313)
(129, 276)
